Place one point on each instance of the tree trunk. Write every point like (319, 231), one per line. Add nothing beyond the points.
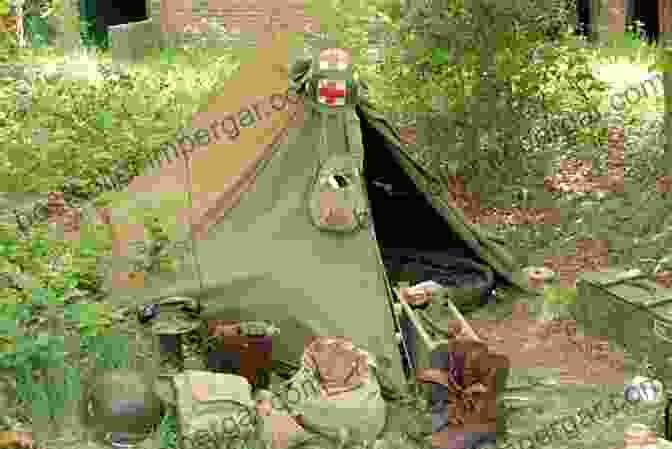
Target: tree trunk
(666, 40)
(607, 21)
(664, 16)
(616, 17)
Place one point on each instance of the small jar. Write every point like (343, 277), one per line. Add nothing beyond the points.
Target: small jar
(640, 436)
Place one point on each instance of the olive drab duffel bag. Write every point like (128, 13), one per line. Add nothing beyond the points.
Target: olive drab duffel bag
(213, 407)
(335, 394)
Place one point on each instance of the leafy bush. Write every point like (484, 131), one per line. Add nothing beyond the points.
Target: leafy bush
(560, 295)
(168, 432)
(478, 75)
(26, 307)
(38, 256)
(153, 256)
(92, 123)
(8, 41)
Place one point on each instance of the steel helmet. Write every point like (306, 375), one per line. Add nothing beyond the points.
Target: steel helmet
(121, 407)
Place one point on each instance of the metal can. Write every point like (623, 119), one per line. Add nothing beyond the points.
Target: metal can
(644, 389)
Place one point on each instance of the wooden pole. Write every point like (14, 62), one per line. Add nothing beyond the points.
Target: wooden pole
(616, 17)
(665, 39)
(665, 42)
(664, 16)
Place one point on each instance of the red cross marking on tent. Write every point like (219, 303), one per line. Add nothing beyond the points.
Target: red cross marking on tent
(331, 92)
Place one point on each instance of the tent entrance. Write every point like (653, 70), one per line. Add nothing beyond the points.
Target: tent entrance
(416, 243)
(98, 15)
(405, 222)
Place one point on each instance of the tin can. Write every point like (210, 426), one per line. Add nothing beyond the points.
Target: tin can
(644, 389)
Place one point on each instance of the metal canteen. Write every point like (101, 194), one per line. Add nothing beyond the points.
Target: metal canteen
(643, 389)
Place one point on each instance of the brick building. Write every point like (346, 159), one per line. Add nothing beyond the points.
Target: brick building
(248, 16)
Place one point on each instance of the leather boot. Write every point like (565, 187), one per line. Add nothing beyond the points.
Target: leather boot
(469, 405)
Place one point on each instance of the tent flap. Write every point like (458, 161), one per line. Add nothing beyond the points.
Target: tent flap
(492, 252)
(261, 257)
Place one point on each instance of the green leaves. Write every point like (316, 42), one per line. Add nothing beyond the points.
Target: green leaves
(39, 248)
(8, 328)
(440, 56)
(560, 295)
(168, 56)
(41, 297)
(88, 248)
(4, 8)
(71, 280)
(104, 120)
(7, 249)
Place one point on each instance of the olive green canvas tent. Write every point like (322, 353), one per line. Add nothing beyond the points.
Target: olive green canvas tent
(260, 255)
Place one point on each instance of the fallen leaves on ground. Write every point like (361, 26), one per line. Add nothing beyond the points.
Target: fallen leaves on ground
(553, 344)
(590, 255)
(573, 176)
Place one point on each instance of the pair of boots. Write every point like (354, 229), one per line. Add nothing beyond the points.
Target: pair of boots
(463, 380)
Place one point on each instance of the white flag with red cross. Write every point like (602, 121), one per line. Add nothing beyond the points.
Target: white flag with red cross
(332, 93)
(334, 59)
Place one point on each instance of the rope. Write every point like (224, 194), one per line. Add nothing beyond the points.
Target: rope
(191, 230)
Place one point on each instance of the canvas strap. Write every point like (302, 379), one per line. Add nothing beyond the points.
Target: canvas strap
(336, 125)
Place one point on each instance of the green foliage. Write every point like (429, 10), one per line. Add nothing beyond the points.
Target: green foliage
(94, 124)
(168, 56)
(8, 41)
(153, 256)
(34, 255)
(48, 398)
(43, 352)
(489, 64)
(560, 295)
(168, 432)
(632, 37)
(23, 307)
(28, 349)
(111, 351)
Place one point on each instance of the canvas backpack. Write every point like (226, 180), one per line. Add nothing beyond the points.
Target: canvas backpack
(212, 408)
(353, 415)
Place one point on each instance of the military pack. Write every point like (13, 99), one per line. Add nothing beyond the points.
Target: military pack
(213, 408)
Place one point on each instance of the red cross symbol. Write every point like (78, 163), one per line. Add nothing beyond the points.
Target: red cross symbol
(331, 92)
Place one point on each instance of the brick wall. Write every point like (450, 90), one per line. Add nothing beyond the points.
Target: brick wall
(244, 16)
